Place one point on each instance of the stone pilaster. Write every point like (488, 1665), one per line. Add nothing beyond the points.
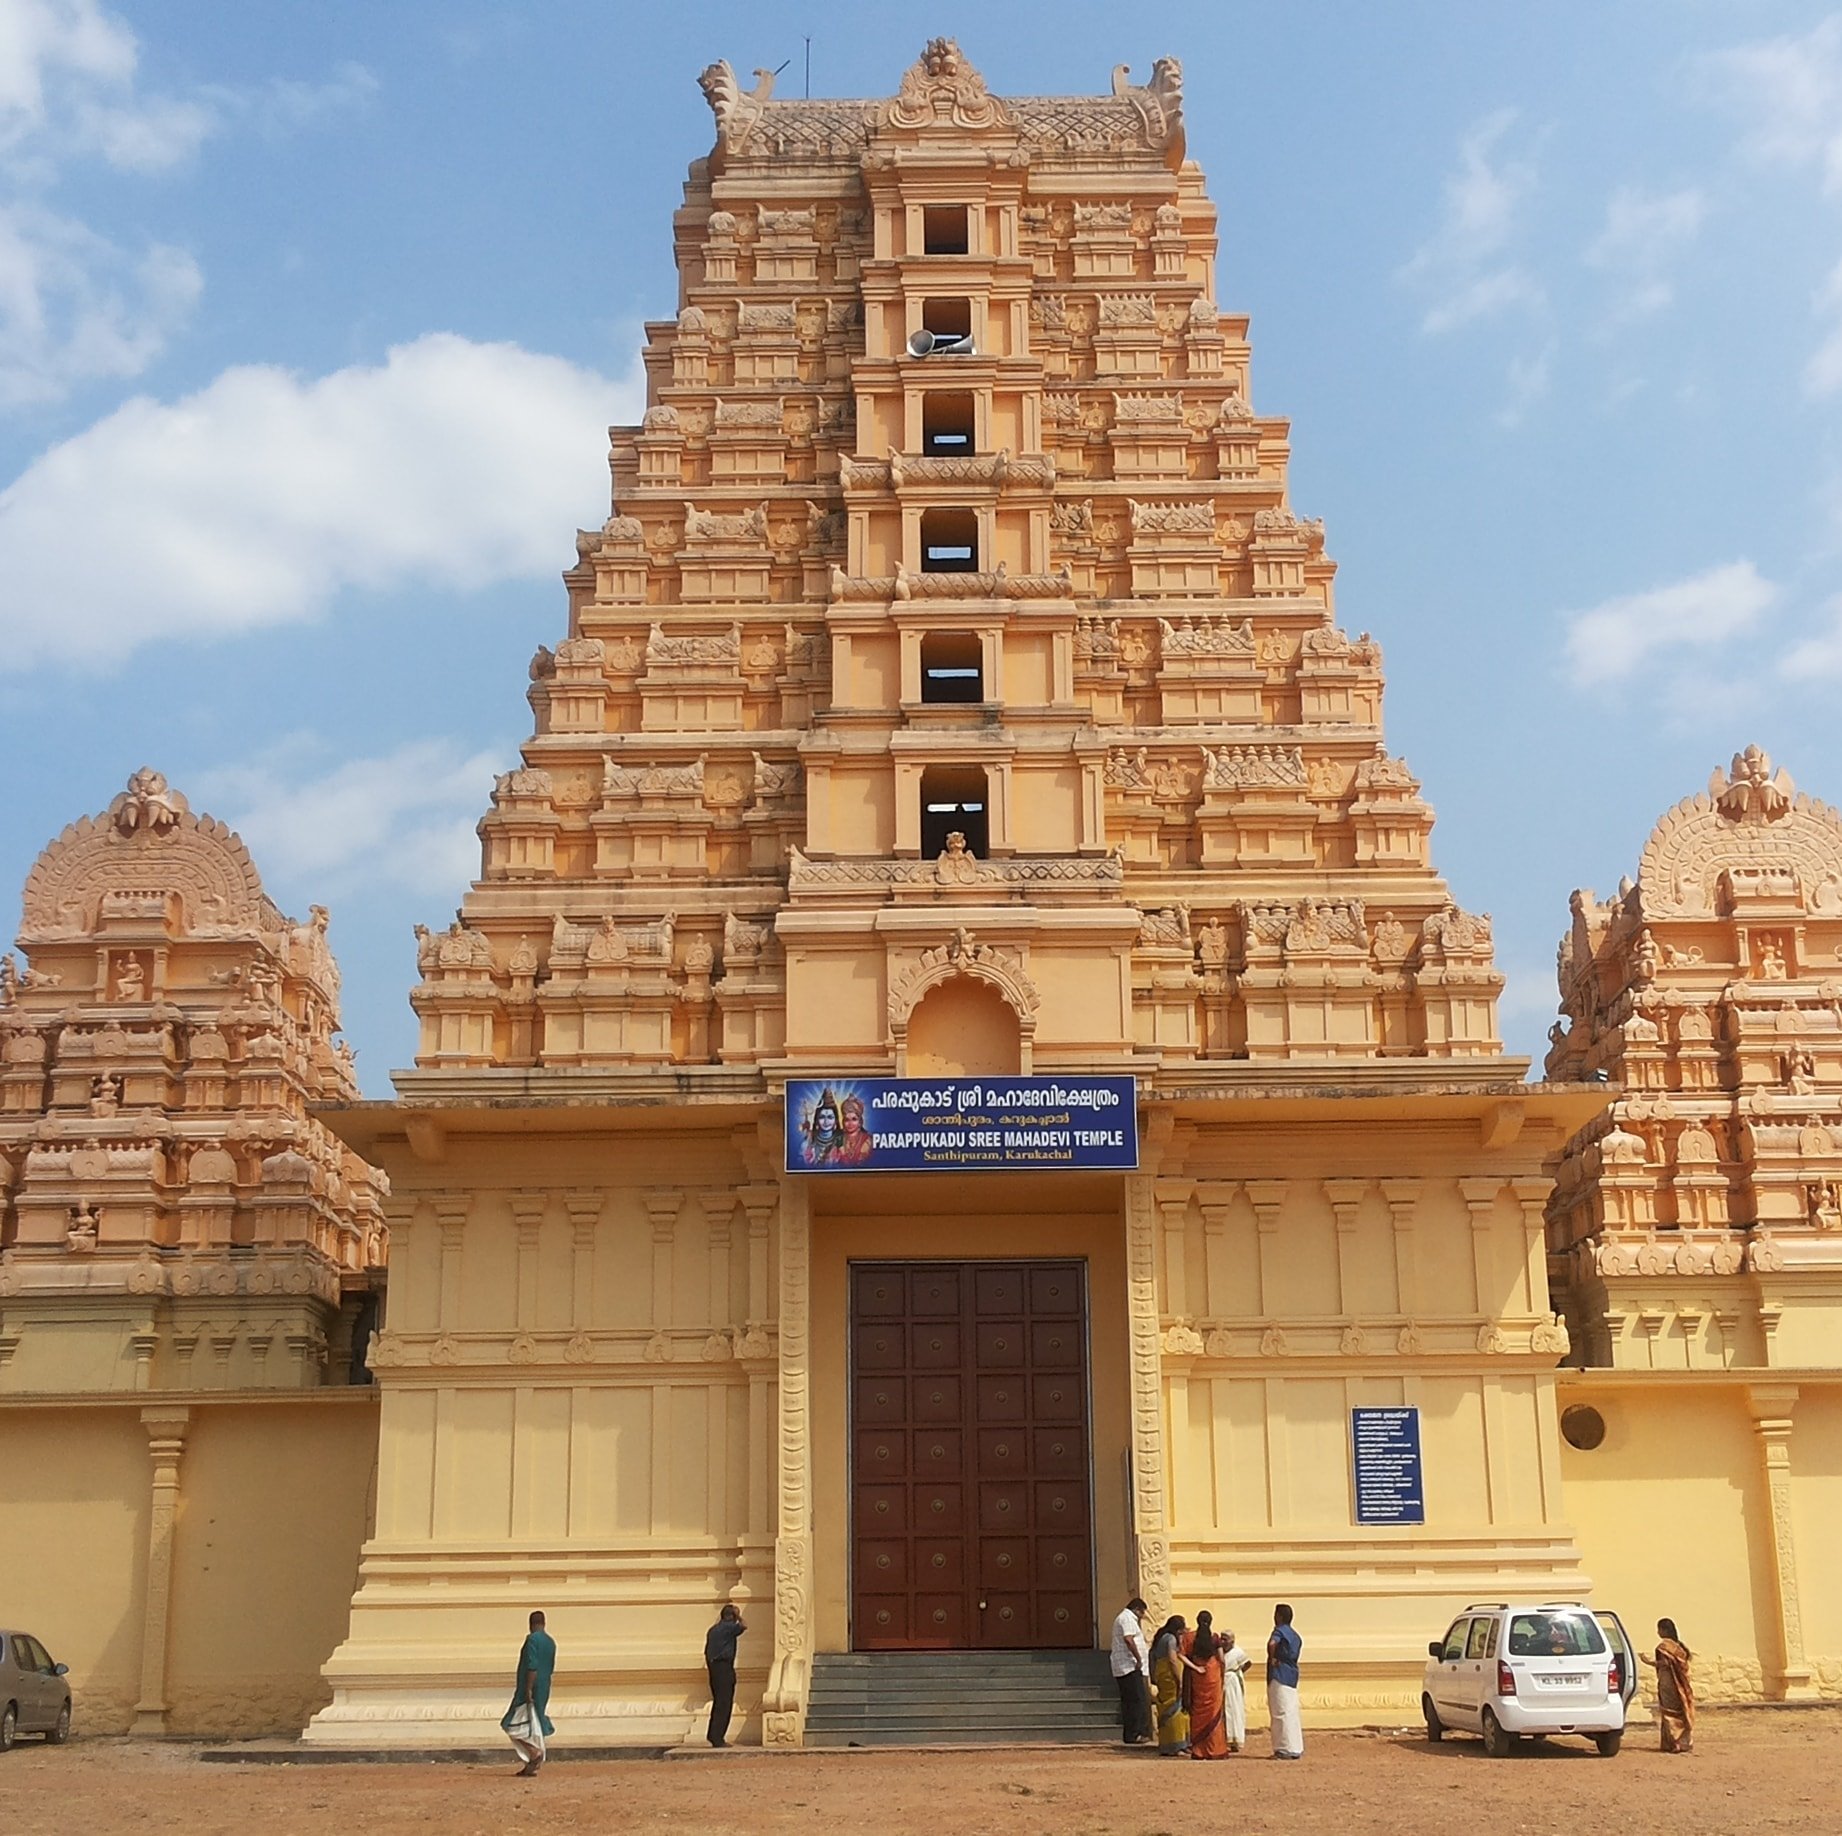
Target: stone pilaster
(166, 1433)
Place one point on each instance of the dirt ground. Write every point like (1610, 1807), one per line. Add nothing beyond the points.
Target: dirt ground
(1753, 1771)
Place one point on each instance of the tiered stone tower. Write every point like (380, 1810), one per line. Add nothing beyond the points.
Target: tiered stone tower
(1043, 593)
(173, 1217)
(953, 691)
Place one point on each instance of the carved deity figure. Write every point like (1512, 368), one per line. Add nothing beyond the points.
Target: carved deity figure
(130, 979)
(147, 805)
(1771, 963)
(1825, 1200)
(1752, 791)
(1212, 944)
(105, 1094)
(1798, 1070)
(956, 864)
(80, 1233)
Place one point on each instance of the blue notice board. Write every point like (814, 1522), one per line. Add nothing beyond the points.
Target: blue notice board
(845, 1125)
(1390, 1488)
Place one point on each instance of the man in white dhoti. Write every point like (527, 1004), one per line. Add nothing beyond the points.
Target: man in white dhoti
(1282, 1651)
(1234, 1691)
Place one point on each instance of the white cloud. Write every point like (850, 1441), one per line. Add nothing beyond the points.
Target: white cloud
(1644, 233)
(1820, 655)
(1823, 371)
(1787, 93)
(1529, 378)
(255, 502)
(1467, 268)
(74, 307)
(1610, 641)
(67, 82)
(405, 818)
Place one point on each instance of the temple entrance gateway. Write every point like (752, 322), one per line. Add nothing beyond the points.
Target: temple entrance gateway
(971, 1510)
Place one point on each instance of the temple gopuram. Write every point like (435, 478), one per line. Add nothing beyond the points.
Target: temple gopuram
(953, 698)
(959, 1095)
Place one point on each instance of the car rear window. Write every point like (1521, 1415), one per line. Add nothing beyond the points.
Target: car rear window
(1555, 1635)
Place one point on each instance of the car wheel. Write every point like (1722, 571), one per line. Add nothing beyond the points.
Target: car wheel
(1496, 1743)
(1435, 1728)
(9, 1725)
(60, 1729)
(1608, 1744)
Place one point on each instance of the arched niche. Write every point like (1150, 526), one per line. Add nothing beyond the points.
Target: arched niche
(964, 1028)
(963, 1006)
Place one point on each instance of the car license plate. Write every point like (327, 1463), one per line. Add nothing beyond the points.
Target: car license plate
(1564, 1682)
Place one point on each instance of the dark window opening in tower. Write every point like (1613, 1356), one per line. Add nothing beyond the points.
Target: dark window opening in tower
(952, 667)
(953, 802)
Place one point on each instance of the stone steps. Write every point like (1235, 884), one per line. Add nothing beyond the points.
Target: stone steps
(899, 1698)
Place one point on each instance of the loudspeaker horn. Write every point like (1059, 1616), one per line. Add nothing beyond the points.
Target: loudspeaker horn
(928, 344)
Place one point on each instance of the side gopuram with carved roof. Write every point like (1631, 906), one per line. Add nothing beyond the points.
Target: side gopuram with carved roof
(167, 1196)
(1695, 1232)
(953, 694)
(191, 1266)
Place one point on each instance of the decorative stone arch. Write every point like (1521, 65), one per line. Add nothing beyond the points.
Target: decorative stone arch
(147, 842)
(1682, 862)
(963, 956)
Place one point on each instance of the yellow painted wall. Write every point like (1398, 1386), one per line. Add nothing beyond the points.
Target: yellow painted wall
(1673, 1518)
(274, 1502)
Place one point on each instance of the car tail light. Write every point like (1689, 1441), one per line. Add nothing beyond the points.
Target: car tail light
(1506, 1679)
(1615, 1678)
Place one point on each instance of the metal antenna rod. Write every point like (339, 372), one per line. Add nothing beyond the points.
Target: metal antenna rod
(808, 66)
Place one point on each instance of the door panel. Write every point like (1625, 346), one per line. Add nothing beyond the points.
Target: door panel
(971, 1477)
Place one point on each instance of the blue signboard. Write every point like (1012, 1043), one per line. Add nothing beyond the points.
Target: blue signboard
(961, 1124)
(1390, 1488)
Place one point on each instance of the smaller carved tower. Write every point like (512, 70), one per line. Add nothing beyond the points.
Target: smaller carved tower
(1698, 1222)
(172, 1217)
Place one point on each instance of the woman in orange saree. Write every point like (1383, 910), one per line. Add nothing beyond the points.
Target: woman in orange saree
(1675, 1693)
(1208, 1721)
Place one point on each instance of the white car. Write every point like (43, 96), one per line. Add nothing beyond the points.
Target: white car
(1511, 1670)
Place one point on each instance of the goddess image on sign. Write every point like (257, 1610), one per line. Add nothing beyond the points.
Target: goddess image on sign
(858, 1144)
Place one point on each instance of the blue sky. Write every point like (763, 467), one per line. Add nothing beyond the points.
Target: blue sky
(312, 320)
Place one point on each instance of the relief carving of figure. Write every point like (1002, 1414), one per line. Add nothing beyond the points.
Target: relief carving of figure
(1771, 963)
(106, 1094)
(130, 979)
(1212, 943)
(1751, 791)
(1798, 1072)
(1825, 1203)
(147, 805)
(80, 1233)
(956, 864)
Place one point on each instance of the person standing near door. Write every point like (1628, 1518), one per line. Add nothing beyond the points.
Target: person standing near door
(1129, 1673)
(1282, 1651)
(720, 1661)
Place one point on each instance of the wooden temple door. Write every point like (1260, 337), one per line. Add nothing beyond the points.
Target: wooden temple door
(971, 1517)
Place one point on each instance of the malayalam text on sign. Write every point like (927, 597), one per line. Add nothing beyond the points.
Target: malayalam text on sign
(1390, 1485)
(1000, 1124)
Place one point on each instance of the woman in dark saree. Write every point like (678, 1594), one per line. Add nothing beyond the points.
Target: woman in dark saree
(1675, 1693)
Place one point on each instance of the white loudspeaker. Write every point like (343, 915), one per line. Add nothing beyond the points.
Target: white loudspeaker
(930, 344)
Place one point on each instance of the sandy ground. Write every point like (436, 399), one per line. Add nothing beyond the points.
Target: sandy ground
(1753, 1771)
